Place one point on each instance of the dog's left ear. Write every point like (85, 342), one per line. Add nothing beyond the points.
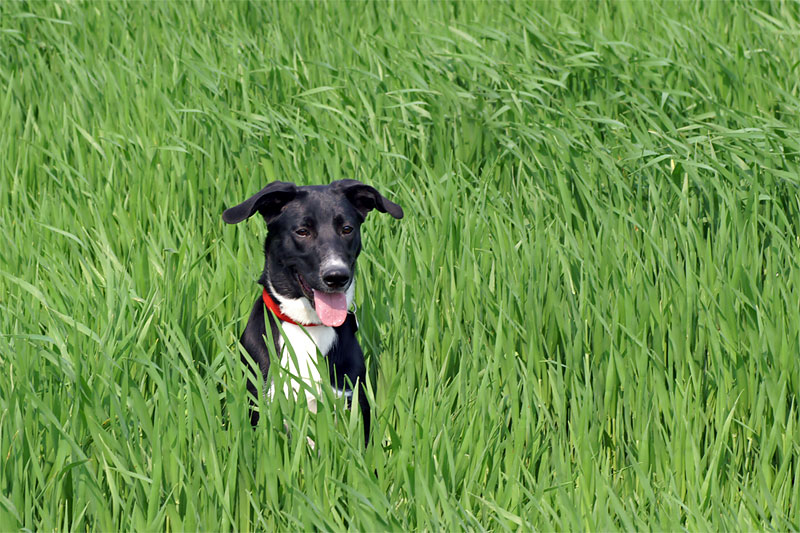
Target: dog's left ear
(365, 198)
(268, 201)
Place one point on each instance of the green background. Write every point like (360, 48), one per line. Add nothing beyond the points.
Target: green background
(588, 319)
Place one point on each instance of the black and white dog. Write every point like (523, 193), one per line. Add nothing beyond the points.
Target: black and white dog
(312, 244)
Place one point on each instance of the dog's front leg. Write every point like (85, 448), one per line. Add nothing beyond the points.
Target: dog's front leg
(252, 340)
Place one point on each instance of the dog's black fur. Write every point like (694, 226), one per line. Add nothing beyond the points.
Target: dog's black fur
(307, 226)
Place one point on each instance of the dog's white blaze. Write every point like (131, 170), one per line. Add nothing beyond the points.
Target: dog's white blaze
(305, 342)
(332, 261)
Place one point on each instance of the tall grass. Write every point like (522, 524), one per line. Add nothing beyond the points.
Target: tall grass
(588, 319)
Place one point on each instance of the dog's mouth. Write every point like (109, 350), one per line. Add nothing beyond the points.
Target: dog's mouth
(331, 307)
(305, 288)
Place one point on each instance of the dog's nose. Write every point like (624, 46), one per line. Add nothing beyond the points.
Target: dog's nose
(336, 278)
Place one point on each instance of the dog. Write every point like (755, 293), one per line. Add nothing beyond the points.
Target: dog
(313, 241)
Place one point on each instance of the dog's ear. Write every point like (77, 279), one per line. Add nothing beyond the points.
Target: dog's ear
(268, 201)
(365, 198)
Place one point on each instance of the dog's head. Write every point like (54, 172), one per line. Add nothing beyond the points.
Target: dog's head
(314, 238)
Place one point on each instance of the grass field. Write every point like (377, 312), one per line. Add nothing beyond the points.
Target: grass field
(589, 318)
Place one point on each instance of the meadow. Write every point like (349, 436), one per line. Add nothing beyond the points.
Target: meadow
(589, 318)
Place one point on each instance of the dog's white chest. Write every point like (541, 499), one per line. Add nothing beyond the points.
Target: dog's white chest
(306, 343)
(302, 359)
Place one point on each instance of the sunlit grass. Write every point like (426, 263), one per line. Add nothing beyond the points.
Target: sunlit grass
(588, 319)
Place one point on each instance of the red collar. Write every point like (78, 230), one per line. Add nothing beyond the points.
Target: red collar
(276, 310)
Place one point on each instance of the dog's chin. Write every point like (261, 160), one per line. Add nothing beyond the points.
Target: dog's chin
(299, 305)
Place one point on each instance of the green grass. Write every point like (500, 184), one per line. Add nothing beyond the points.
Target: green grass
(588, 319)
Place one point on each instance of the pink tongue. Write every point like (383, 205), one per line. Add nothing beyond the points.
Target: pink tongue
(331, 308)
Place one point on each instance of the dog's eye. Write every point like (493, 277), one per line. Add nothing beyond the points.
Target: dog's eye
(347, 230)
(302, 232)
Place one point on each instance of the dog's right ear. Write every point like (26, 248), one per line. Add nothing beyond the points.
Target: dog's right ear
(268, 201)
